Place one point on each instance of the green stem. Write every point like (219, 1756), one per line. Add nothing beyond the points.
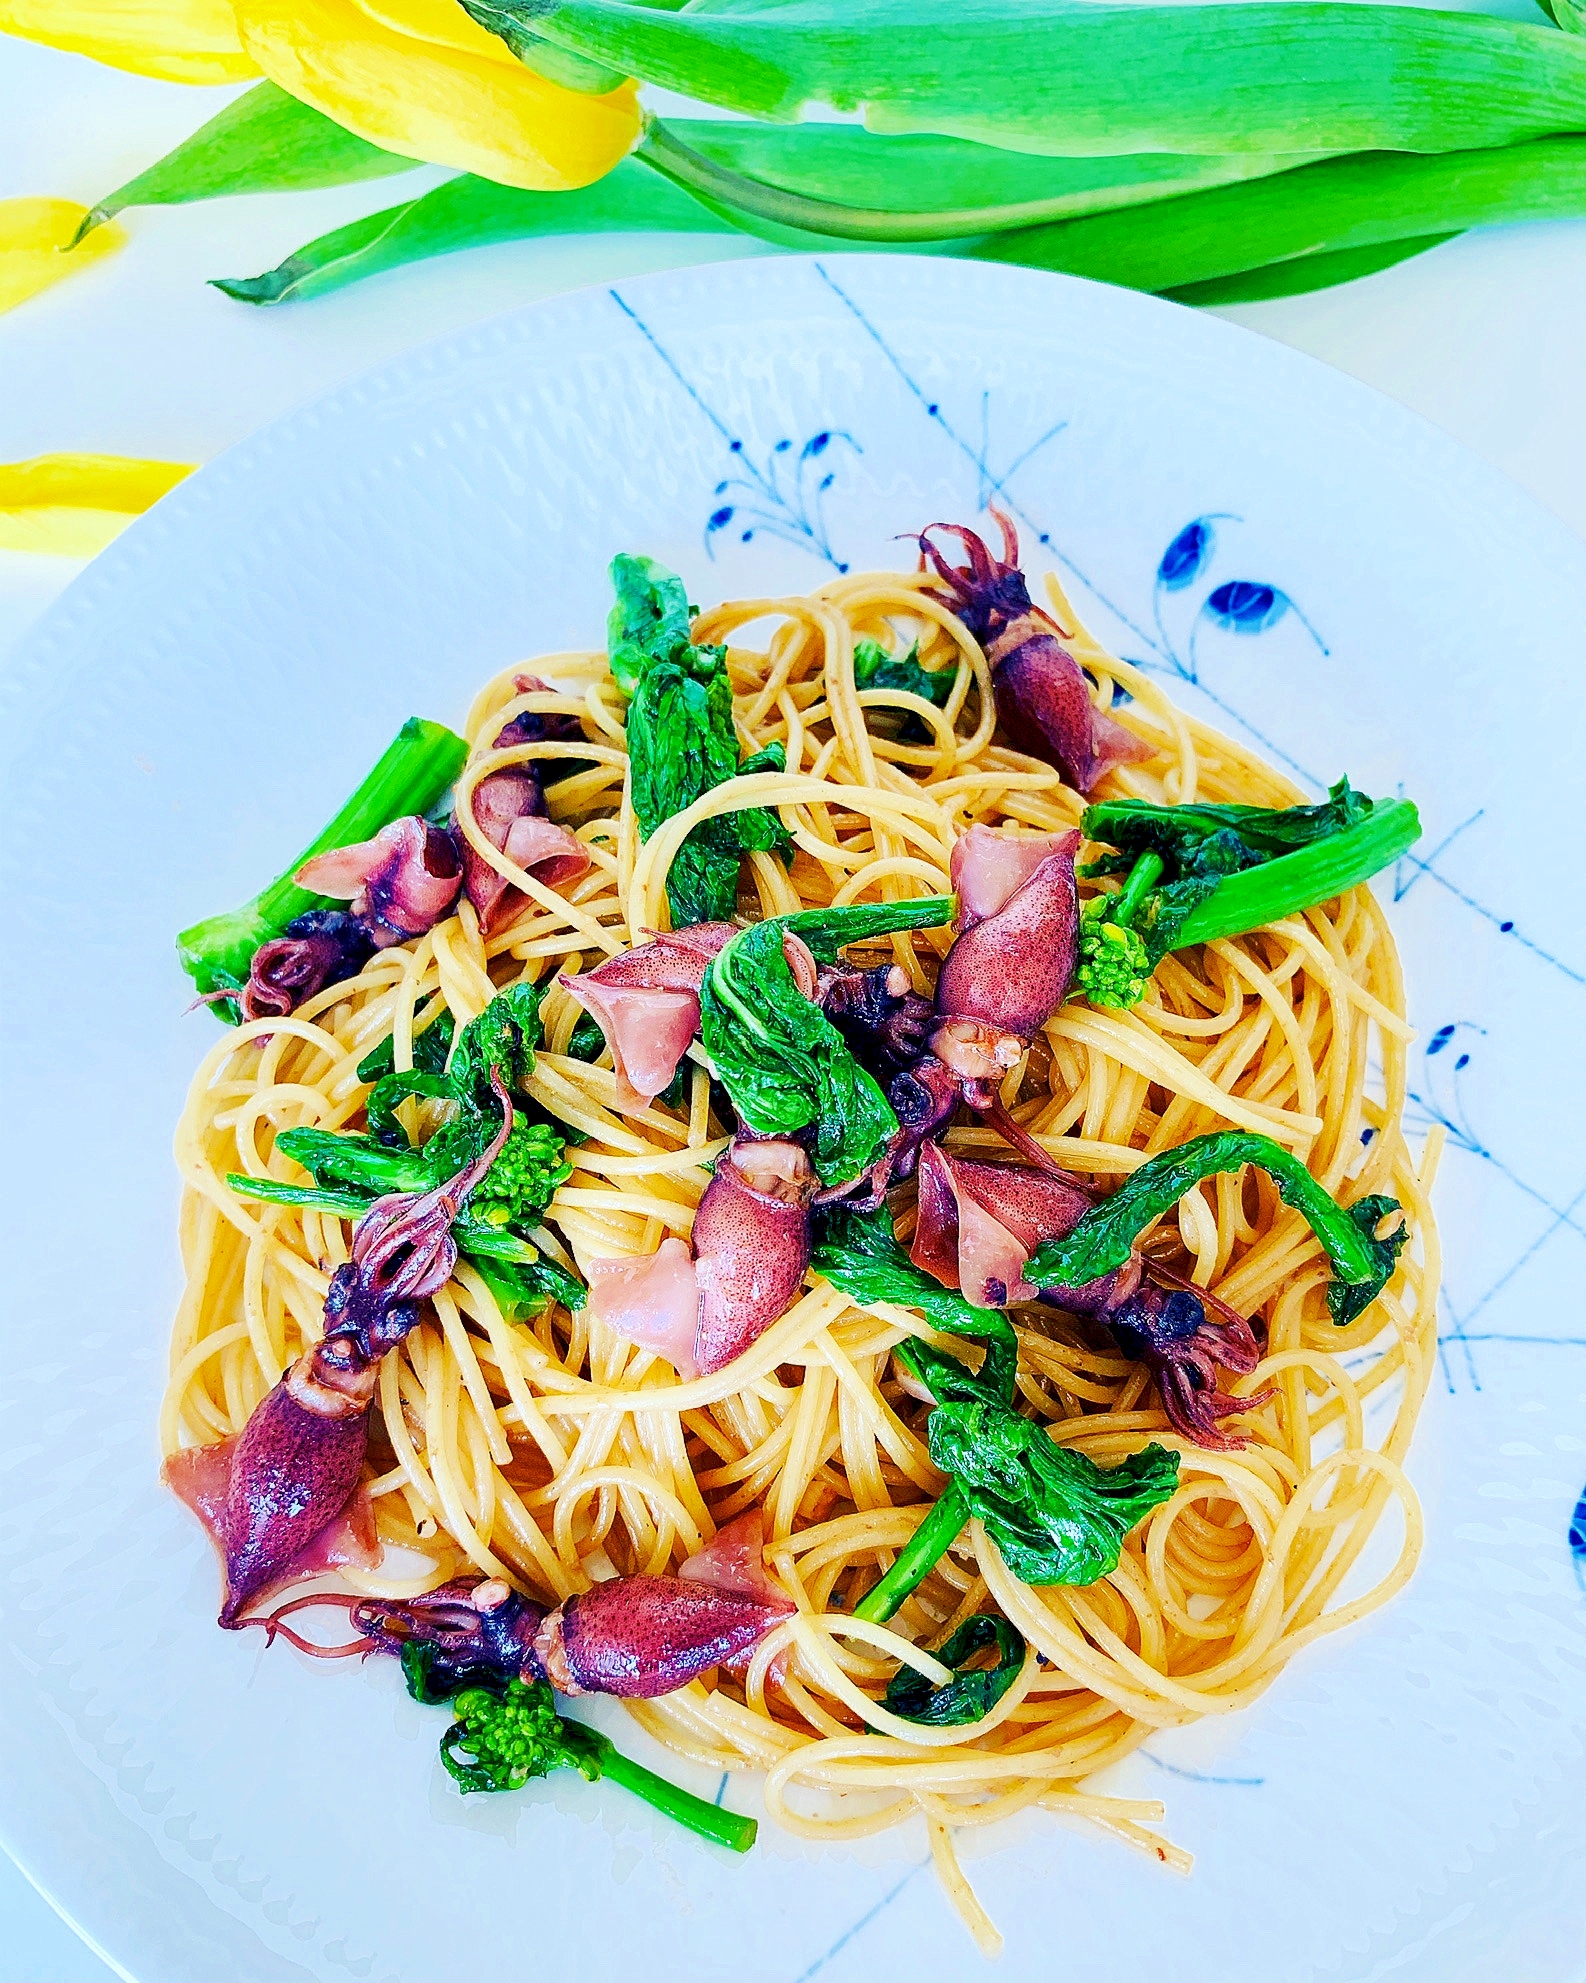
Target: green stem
(415, 771)
(827, 931)
(918, 1557)
(1143, 877)
(1360, 1259)
(806, 213)
(721, 1827)
(343, 1204)
(1261, 895)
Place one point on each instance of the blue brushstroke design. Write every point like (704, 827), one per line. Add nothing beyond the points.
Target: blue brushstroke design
(1187, 556)
(1204, 1776)
(863, 1922)
(1577, 1540)
(1244, 605)
(778, 503)
(991, 483)
(796, 513)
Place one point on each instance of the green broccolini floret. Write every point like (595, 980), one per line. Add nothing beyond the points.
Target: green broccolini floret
(1199, 872)
(512, 1738)
(1115, 962)
(524, 1178)
(1114, 965)
(504, 1737)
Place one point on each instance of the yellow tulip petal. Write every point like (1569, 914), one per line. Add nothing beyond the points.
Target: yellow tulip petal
(181, 41)
(419, 78)
(36, 250)
(73, 504)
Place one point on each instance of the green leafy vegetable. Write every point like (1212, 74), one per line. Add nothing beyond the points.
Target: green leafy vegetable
(587, 1042)
(1054, 1515)
(1213, 841)
(500, 1041)
(358, 1163)
(1264, 894)
(505, 1737)
(1200, 871)
(973, 1691)
(682, 742)
(263, 142)
(392, 1090)
(431, 1050)
(521, 1288)
(351, 1171)
(429, 1681)
(345, 1203)
(827, 931)
(1179, 856)
(1104, 1237)
(1054, 77)
(859, 1253)
(875, 668)
(413, 774)
(650, 621)
(783, 1062)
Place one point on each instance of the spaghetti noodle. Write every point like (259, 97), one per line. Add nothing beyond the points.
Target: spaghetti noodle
(550, 1453)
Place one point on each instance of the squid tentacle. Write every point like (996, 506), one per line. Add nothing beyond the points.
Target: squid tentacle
(1044, 700)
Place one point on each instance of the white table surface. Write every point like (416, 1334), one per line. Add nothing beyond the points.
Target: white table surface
(137, 356)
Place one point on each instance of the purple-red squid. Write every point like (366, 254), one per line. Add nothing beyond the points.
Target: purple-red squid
(1044, 702)
(702, 1308)
(279, 1497)
(316, 949)
(399, 884)
(979, 1223)
(403, 881)
(1006, 974)
(646, 1002)
(637, 1637)
(510, 811)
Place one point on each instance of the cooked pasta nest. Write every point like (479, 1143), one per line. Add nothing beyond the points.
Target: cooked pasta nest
(554, 1454)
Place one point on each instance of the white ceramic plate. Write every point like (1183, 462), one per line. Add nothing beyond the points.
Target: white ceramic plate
(1317, 571)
